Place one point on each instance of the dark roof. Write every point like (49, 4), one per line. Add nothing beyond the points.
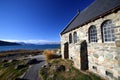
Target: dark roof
(96, 9)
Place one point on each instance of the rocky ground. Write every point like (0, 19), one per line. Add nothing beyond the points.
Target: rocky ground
(59, 69)
(20, 64)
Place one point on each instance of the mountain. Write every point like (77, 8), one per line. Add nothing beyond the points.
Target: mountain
(39, 43)
(5, 43)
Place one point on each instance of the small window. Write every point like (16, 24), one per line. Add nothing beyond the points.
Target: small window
(70, 38)
(75, 37)
(92, 34)
(108, 31)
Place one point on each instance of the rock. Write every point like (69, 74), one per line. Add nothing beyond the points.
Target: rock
(14, 60)
(119, 63)
(32, 61)
(51, 76)
(108, 56)
(117, 57)
(58, 54)
(68, 70)
(46, 65)
(4, 60)
(58, 68)
(118, 43)
(101, 59)
(20, 66)
(5, 65)
(95, 55)
(62, 68)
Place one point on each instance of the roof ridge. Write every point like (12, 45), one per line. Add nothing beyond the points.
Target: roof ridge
(88, 6)
(74, 17)
(92, 12)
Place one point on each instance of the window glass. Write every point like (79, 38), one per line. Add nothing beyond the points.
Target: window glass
(108, 31)
(92, 34)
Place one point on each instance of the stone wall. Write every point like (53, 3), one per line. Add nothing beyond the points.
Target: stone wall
(103, 58)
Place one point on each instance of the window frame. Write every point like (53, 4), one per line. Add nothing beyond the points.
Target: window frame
(70, 38)
(92, 34)
(108, 32)
(75, 37)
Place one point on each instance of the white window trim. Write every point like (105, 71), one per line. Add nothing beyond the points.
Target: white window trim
(91, 35)
(103, 27)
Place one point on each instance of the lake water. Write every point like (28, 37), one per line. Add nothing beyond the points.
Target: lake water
(29, 47)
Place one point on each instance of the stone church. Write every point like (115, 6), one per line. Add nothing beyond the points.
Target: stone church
(92, 39)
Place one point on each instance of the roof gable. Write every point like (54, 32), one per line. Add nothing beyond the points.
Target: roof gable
(97, 8)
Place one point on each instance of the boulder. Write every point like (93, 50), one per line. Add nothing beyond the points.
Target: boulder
(32, 61)
(58, 68)
(4, 60)
(20, 66)
(5, 65)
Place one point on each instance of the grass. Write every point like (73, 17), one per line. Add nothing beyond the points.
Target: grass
(20, 52)
(70, 72)
(8, 69)
(9, 72)
(51, 54)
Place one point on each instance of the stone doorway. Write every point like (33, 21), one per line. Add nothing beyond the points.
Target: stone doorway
(84, 56)
(66, 50)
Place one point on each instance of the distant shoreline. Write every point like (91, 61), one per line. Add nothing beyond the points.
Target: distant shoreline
(14, 54)
(29, 47)
(5, 43)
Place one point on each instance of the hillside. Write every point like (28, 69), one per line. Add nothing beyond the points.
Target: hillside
(5, 43)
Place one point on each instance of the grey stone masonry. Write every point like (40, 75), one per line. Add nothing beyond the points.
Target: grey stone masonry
(103, 57)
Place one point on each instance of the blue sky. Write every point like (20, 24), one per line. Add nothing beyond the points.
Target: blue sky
(37, 20)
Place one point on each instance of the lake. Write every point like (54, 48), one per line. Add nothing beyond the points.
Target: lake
(30, 47)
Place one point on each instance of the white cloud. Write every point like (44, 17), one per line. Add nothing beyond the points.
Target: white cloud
(32, 41)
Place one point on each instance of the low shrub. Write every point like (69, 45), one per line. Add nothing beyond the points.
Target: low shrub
(51, 54)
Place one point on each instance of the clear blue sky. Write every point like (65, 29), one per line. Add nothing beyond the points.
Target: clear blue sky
(37, 19)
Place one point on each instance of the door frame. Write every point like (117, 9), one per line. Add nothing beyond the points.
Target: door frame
(84, 56)
(66, 50)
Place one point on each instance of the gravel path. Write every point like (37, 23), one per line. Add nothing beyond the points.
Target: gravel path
(32, 73)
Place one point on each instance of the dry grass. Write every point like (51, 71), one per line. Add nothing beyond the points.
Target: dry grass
(70, 72)
(10, 72)
(50, 54)
(6, 53)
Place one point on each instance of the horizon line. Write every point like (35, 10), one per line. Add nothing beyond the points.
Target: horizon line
(32, 41)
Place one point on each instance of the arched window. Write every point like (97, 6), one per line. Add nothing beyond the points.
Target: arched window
(70, 38)
(107, 31)
(92, 34)
(75, 37)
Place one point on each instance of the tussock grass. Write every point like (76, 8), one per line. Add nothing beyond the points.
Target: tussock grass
(70, 72)
(9, 72)
(50, 54)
